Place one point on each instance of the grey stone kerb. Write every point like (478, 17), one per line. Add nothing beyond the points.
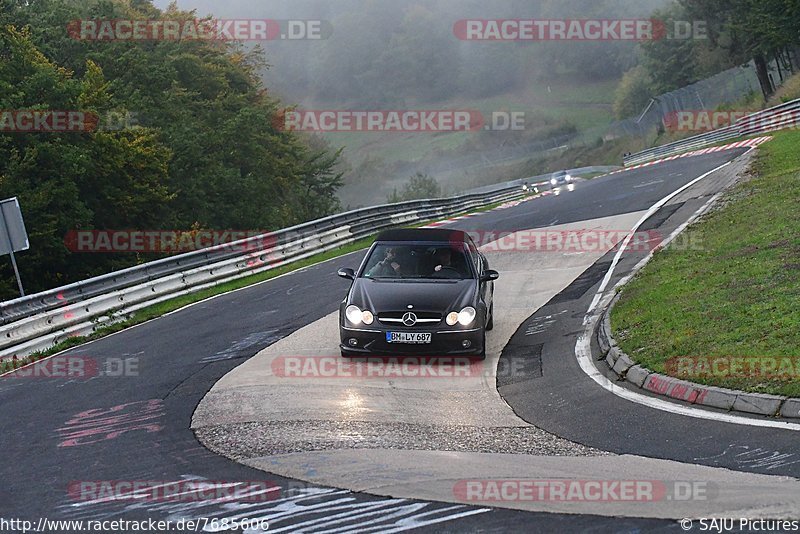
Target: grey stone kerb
(727, 399)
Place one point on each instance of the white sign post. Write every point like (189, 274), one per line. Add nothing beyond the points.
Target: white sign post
(13, 236)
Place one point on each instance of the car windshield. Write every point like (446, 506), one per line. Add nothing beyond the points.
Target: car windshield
(422, 261)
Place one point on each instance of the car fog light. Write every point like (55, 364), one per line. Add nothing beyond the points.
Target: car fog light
(353, 342)
(466, 343)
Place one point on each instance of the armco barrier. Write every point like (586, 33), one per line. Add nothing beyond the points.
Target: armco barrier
(784, 116)
(39, 321)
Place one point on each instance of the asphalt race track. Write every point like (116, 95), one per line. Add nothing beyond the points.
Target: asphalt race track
(135, 423)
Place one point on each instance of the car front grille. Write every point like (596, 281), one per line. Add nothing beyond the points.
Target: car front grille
(396, 318)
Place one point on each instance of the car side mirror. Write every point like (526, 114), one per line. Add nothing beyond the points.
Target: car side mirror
(489, 276)
(347, 273)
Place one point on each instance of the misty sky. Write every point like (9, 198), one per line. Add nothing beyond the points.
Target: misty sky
(401, 54)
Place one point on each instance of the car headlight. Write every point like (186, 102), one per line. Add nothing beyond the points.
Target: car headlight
(367, 317)
(554, 181)
(569, 178)
(452, 318)
(353, 314)
(466, 316)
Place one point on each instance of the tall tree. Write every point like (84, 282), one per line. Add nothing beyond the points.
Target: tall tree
(749, 29)
(201, 150)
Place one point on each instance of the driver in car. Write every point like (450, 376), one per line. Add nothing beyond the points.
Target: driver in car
(443, 257)
(444, 264)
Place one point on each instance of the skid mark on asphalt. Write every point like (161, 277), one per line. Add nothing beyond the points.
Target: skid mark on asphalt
(654, 182)
(746, 456)
(519, 364)
(239, 349)
(659, 218)
(304, 509)
(582, 284)
(542, 323)
(522, 361)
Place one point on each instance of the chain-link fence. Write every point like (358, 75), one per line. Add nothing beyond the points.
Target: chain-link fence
(724, 88)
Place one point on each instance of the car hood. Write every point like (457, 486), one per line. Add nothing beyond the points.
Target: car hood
(443, 296)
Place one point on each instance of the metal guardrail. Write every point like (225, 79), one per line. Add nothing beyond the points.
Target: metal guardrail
(780, 117)
(38, 321)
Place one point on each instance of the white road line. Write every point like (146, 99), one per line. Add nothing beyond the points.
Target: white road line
(648, 183)
(583, 350)
(657, 206)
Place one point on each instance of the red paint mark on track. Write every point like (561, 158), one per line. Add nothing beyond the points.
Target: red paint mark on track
(94, 426)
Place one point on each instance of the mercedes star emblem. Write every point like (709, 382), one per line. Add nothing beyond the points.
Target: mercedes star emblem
(409, 319)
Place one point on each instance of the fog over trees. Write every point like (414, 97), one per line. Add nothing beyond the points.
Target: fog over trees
(404, 52)
(204, 149)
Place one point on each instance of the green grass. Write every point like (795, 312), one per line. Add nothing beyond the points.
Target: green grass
(738, 294)
(586, 105)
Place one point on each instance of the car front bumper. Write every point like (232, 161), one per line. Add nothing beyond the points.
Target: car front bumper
(369, 341)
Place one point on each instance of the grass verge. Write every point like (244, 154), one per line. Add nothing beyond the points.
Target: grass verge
(726, 314)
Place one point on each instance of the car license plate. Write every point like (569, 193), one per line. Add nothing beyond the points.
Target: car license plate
(411, 338)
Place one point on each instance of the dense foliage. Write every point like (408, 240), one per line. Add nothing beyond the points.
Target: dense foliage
(404, 52)
(732, 32)
(419, 186)
(197, 148)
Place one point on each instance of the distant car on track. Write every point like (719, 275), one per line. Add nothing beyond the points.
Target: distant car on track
(418, 291)
(560, 178)
(529, 188)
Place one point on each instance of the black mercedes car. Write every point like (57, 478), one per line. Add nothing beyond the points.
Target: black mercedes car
(418, 291)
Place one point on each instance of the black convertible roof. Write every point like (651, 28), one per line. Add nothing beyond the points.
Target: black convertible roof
(424, 234)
